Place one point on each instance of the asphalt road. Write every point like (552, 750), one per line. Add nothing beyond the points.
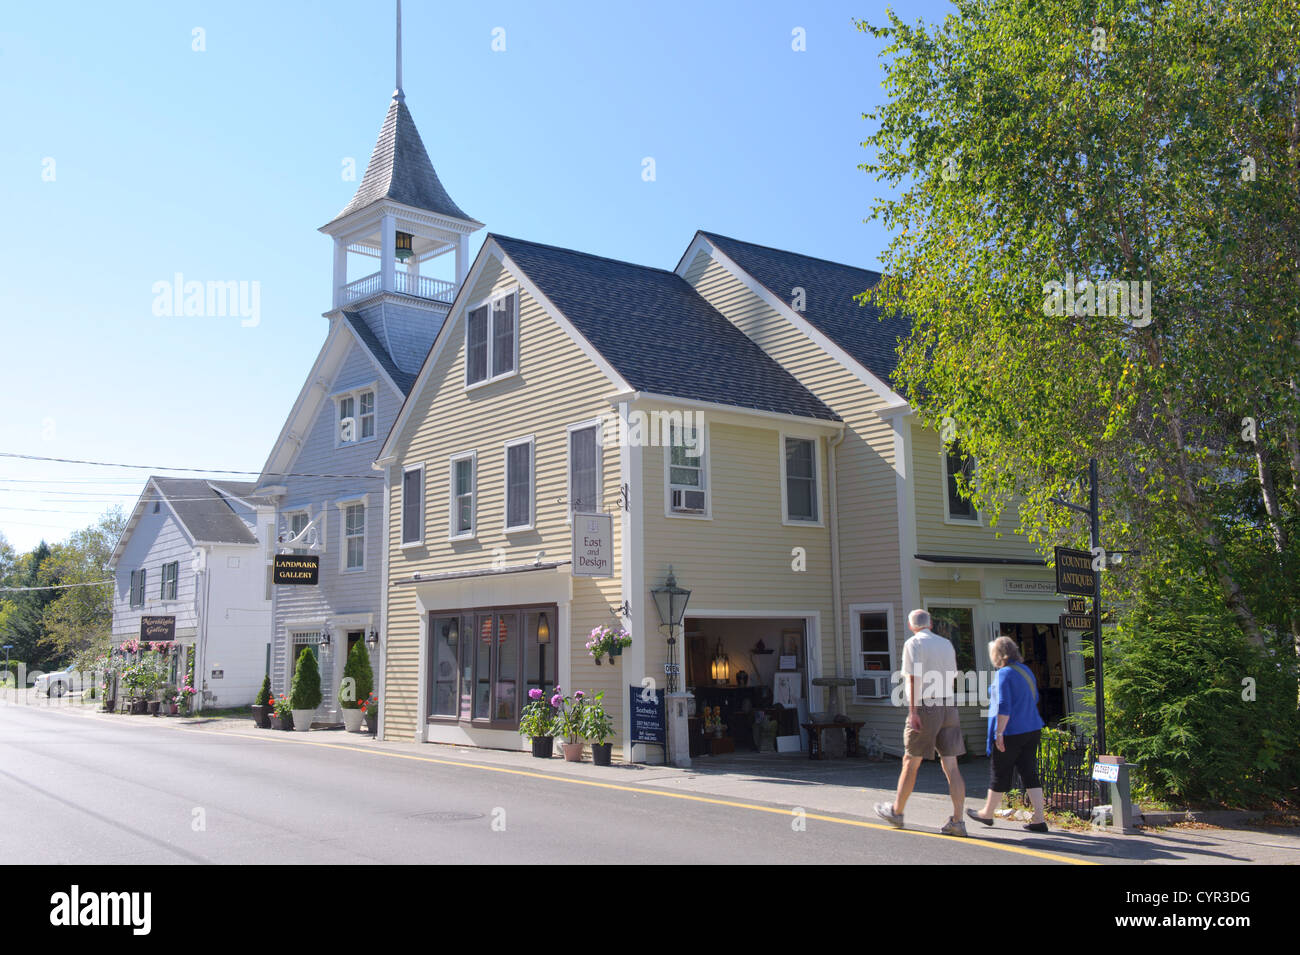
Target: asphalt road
(83, 790)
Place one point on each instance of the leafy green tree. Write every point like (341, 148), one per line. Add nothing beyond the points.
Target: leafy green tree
(80, 618)
(305, 693)
(1042, 149)
(264, 694)
(24, 624)
(358, 677)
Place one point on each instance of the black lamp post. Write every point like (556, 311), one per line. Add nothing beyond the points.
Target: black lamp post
(670, 601)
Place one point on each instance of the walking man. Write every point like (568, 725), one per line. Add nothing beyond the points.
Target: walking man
(929, 668)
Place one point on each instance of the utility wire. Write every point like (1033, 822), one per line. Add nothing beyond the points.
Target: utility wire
(89, 583)
(163, 467)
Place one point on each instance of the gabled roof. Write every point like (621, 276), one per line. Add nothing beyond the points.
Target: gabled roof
(370, 341)
(829, 306)
(201, 507)
(399, 169)
(658, 333)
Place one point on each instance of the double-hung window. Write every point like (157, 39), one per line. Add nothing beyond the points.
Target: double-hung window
(297, 524)
(354, 536)
(170, 572)
(356, 416)
(137, 588)
(955, 462)
(800, 472)
(413, 505)
(687, 481)
(463, 486)
(492, 339)
(584, 470)
(366, 410)
(519, 485)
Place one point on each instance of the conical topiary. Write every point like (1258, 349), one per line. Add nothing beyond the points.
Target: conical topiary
(358, 679)
(264, 694)
(305, 693)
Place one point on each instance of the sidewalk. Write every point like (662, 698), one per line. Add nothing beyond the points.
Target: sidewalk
(844, 788)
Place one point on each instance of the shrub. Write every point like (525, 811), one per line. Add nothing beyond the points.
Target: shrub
(358, 679)
(305, 692)
(1209, 716)
(264, 694)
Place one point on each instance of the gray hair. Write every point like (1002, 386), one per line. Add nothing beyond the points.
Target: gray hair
(1003, 650)
(919, 619)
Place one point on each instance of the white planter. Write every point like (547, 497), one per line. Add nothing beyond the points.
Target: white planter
(352, 720)
(302, 720)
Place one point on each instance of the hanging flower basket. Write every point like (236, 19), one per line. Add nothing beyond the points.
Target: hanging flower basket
(605, 640)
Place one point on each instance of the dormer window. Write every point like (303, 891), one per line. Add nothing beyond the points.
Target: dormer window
(492, 340)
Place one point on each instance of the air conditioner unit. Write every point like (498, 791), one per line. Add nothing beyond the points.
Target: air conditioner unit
(692, 501)
(873, 687)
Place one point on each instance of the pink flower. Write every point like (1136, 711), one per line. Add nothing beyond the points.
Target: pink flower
(579, 695)
(534, 694)
(555, 700)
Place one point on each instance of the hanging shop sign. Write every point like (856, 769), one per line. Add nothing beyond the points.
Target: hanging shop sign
(593, 545)
(1074, 573)
(158, 628)
(296, 569)
(1075, 621)
(1076, 605)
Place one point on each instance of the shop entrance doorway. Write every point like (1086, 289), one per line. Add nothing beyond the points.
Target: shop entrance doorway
(1048, 659)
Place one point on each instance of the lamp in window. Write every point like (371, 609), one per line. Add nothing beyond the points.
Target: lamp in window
(543, 629)
(404, 250)
(721, 668)
(451, 631)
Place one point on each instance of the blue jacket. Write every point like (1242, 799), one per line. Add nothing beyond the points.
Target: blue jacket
(1015, 694)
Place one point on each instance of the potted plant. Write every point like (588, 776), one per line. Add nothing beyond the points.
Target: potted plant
(169, 695)
(262, 706)
(597, 728)
(370, 710)
(356, 686)
(304, 694)
(537, 721)
(607, 640)
(281, 713)
(568, 724)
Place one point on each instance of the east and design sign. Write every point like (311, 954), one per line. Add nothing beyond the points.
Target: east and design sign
(593, 545)
(296, 569)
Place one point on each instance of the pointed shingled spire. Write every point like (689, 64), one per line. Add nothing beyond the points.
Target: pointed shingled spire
(399, 167)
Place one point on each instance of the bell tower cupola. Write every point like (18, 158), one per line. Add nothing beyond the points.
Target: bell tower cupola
(402, 238)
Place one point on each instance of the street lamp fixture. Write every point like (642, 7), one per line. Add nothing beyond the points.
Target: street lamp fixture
(372, 639)
(670, 602)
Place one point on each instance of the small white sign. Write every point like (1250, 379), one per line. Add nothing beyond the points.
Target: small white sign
(593, 545)
(1106, 772)
(788, 663)
(1012, 586)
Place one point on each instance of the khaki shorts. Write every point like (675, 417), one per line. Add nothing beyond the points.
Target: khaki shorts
(940, 729)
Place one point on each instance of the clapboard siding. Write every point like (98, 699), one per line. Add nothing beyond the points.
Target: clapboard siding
(557, 386)
(157, 539)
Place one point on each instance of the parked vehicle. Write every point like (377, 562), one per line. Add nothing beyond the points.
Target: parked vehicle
(59, 682)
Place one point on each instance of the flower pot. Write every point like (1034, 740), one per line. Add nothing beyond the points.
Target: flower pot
(154, 707)
(600, 753)
(281, 722)
(615, 651)
(543, 746)
(261, 716)
(597, 661)
(372, 721)
(572, 752)
(139, 707)
(302, 720)
(352, 720)
(173, 709)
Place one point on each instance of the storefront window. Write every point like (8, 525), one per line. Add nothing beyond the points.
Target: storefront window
(957, 624)
(444, 633)
(478, 657)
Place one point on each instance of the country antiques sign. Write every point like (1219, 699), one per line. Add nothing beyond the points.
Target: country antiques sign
(593, 545)
(296, 569)
(160, 629)
(1074, 573)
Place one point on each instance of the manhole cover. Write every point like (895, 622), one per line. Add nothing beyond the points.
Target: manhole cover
(445, 815)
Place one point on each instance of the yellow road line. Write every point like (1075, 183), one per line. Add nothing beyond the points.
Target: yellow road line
(712, 800)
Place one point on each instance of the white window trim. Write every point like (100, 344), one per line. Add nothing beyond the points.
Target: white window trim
(895, 649)
(176, 581)
(707, 470)
(568, 464)
(786, 519)
(532, 485)
(490, 302)
(290, 514)
(977, 622)
(355, 395)
(419, 541)
(343, 505)
(452, 533)
(947, 514)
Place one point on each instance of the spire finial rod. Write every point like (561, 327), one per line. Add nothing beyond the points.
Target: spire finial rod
(397, 93)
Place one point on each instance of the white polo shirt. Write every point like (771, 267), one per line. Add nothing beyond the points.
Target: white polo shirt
(933, 661)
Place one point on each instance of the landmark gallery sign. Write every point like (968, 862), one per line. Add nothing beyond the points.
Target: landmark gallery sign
(296, 569)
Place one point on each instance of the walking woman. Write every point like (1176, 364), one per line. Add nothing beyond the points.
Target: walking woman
(1014, 726)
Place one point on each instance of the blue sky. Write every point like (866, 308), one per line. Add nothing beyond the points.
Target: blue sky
(221, 164)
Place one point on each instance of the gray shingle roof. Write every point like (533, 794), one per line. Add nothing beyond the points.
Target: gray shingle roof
(204, 511)
(659, 333)
(399, 169)
(376, 348)
(829, 306)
